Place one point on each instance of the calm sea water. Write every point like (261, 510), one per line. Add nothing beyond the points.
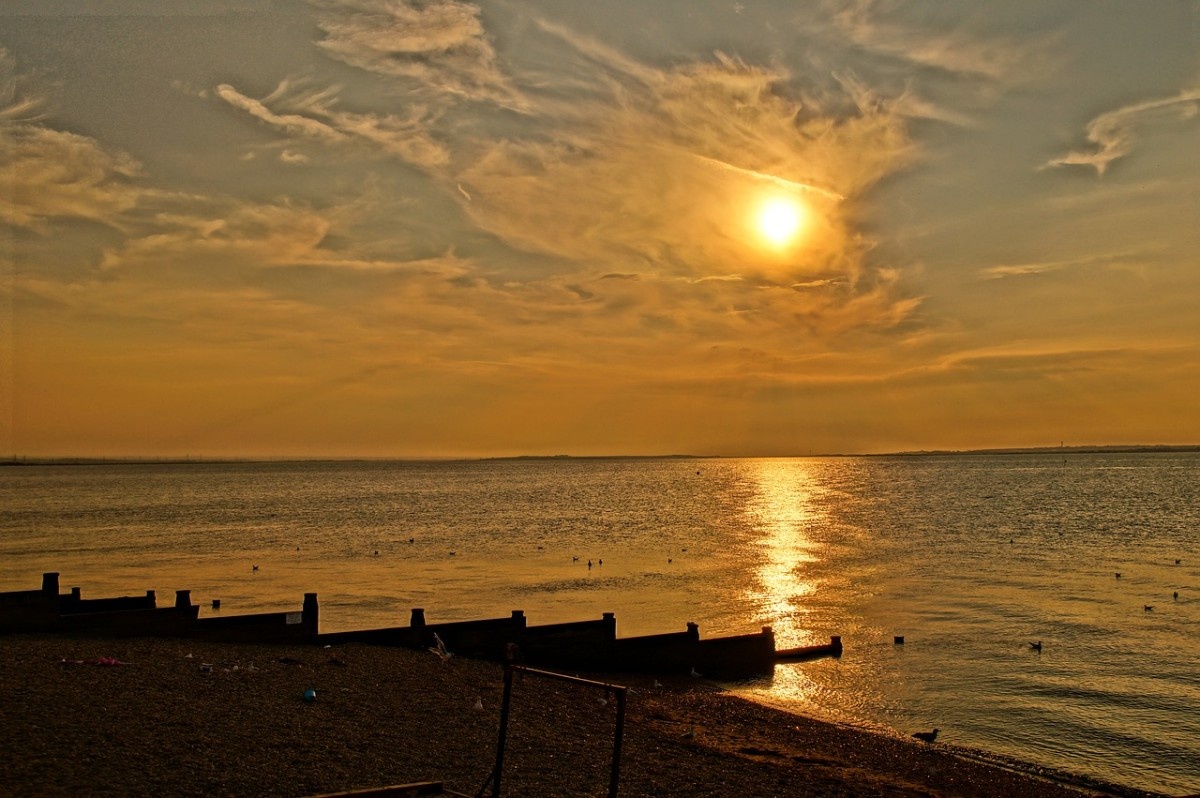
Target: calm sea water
(969, 558)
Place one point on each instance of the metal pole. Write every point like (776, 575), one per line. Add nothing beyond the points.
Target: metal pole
(615, 775)
(503, 731)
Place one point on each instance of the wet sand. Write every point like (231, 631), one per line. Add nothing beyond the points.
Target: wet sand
(187, 718)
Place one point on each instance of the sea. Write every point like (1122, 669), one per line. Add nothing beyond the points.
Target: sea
(968, 559)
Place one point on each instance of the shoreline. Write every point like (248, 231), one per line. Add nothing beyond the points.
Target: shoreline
(159, 722)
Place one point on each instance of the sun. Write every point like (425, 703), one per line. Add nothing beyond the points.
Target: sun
(781, 220)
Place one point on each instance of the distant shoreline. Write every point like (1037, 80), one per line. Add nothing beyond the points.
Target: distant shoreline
(160, 461)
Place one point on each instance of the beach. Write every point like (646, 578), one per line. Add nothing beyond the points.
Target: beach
(136, 717)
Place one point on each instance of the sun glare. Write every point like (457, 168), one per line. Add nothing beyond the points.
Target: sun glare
(780, 221)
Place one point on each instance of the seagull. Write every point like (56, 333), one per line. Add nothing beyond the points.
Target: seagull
(440, 649)
(1177, 562)
(1118, 574)
(657, 684)
(253, 567)
(1036, 646)
(1175, 595)
(479, 704)
(695, 673)
(1147, 608)
(690, 733)
(927, 737)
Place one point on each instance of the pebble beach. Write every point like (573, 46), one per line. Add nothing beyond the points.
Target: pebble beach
(142, 717)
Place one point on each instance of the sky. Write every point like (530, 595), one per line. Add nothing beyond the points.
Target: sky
(379, 228)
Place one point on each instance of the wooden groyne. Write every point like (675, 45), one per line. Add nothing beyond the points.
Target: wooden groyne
(831, 649)
(590, 645)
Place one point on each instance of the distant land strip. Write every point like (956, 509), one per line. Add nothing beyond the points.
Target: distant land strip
(200, 460)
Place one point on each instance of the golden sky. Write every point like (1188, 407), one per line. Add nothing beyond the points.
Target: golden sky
(384, 228)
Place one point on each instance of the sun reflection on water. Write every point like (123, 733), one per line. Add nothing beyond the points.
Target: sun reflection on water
(785, 511)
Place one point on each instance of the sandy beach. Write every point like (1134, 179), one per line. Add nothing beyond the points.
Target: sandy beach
(140, 717)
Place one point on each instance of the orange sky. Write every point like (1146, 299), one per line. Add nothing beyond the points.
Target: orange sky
(378, 228)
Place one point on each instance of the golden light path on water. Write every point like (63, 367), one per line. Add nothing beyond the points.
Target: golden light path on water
(783, 510)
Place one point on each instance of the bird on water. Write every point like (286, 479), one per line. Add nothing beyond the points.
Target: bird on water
(1036, 646)
(927, 737)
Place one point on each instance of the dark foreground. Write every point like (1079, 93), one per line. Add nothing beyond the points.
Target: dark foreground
(76, 723)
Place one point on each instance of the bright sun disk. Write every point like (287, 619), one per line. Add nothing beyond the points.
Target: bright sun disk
(780, 221)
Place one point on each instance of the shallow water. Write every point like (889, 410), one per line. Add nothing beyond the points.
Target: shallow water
(970, 558)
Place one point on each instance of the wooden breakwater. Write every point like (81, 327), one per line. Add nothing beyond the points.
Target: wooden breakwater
(590, 645)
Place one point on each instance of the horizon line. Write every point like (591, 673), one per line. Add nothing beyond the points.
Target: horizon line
(16, 460)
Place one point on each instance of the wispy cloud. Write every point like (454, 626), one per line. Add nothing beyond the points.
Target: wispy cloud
(440, 46)
(288, 123)
(878, 26)
(651, 170)
(48, 174)
(1114, 133)
(315, 117)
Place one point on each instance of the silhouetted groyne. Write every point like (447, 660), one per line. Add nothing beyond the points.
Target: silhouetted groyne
(580, 645)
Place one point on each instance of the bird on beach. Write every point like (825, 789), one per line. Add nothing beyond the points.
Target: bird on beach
(479, 704)
(927, 737)
(1036, 646)
(695, 673)
(253, 567)
(1118, 574)
(1147, 608)
(440, 649)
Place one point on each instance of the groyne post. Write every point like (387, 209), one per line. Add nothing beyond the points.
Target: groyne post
(417, 619)
(311, 615)
(183, 599)
(50, 584)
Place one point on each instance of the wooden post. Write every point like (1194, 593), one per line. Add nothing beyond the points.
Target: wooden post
(693, 631)
(151, 599)
(610, 626)
(418, 617)
(50, 584)
(183, 599)
(311, 615)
